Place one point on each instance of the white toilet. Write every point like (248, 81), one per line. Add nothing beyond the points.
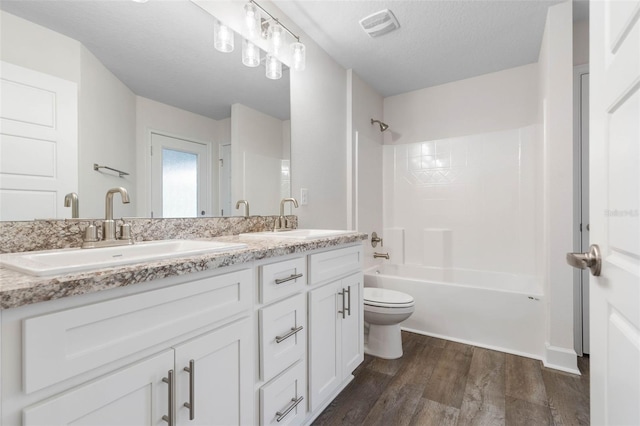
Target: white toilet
(384, 310)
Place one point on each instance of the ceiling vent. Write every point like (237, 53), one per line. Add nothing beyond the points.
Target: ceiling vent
(380, 23)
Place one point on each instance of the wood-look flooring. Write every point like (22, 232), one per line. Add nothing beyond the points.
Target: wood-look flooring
(439, 382)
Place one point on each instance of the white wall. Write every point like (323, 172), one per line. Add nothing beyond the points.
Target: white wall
(318, 148)
(257, 152)
(38, 48)
(365, 141)
(556, 95)
(107, 123)
(171, 121)
(462, 184)
(495, 101)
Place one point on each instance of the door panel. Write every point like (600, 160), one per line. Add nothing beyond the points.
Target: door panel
(615, 211)
(38, 144)
(180, 175)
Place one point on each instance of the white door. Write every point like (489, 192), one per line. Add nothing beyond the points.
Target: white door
(222, 378)
(134, 395)
(324, 343)
(38, 144)
(353, 325)
(615, 211)
(180, 176)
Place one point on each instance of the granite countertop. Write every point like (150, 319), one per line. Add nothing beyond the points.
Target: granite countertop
(18, 289)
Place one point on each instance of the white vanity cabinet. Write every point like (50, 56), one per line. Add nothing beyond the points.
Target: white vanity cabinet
(216, 387)
(265, 342)
(122, 361)
(336, 345)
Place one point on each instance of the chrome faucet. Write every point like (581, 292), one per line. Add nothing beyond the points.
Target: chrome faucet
(281, 222)
(71, 200)
(246, 207)
(109, 225)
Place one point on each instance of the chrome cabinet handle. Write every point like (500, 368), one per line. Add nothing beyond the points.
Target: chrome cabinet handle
(348, 300)
(191, 405)
(293, 331)
(289, 278)
(591, 259)
(344, 310)
(294, 403)
(172, 398)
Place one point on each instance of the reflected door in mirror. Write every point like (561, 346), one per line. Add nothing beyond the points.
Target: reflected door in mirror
(38, 144)
(180, 177)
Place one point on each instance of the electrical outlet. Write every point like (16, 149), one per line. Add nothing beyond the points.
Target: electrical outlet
(304, 196)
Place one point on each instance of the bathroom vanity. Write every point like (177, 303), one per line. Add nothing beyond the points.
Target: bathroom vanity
(268, 334)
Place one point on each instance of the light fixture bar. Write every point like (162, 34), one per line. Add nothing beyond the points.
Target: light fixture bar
(275, 19)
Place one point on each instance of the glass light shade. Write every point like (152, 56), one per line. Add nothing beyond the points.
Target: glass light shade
(252, 20)
(250, 54)
(222, 37)
(298, 56)
(276, 34)
(273, 67)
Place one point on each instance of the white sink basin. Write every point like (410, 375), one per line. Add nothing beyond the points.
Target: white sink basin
(299, 234)
(53, 262)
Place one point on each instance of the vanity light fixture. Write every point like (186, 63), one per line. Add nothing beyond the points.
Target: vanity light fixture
(222, 37)
(252, 20)
(272, 29)
(250, 54)
(273, 67)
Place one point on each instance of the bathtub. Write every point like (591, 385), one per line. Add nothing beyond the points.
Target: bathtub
(493, 310)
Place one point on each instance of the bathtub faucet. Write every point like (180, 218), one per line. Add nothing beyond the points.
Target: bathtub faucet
(382, 255)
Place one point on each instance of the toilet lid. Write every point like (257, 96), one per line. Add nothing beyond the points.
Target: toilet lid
(384, 297)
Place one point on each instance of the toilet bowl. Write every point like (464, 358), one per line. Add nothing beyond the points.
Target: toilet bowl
(384, 310)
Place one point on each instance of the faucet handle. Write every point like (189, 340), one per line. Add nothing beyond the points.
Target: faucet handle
(125, 231)
(375, 240)
(91, 233)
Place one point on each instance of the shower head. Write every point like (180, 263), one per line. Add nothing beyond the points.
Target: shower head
(382, 125)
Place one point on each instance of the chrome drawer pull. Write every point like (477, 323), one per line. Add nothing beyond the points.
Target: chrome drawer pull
(191, 405)
(172, 399)
(293, 331)
(348, 300)
(282, 414)
(289, 278)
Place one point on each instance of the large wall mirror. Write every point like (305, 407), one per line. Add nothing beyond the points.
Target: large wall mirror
(194, 128)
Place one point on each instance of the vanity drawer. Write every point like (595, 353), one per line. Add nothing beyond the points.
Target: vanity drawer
(283, 401)
(281, 279)
(324, 267)
(67, 343)
(283, 335)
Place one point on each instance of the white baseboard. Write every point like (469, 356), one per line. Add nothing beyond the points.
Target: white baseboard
(561, 359)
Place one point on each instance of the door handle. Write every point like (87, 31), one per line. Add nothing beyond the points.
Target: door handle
(191, 405)
(591, 259)
(169, 417)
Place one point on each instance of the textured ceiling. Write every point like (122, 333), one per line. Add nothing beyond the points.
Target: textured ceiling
(162, 50)
(438, 41)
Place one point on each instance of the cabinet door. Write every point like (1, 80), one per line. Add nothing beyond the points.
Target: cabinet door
(324, 338)
(134, 395)
(222, 377)
(352, 326)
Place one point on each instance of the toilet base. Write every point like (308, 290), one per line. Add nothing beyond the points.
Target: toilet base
(384, 341)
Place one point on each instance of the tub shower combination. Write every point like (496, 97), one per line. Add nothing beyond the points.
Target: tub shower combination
(489, 309)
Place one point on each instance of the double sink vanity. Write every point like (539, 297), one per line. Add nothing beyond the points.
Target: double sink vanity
(252, 328)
